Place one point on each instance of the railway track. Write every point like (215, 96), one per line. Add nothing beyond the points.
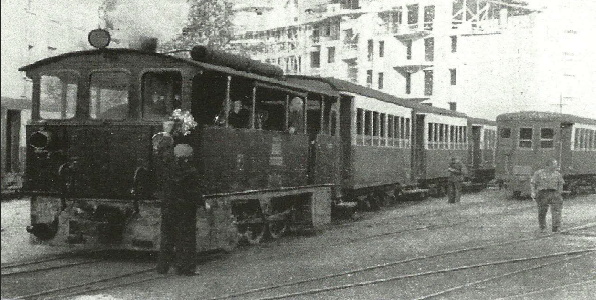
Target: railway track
(404, 261)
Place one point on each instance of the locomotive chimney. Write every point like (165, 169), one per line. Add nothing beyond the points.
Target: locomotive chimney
(453, 106)
(144, 43)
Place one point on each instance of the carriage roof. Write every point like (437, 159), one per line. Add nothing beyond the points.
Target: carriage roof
(482, 121)
(349, 87)
(180, 60)
(524, 116)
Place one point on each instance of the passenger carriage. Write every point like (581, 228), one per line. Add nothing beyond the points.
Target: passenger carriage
(440, 134)
(528, 139)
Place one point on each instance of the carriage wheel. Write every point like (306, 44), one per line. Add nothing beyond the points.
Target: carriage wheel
(255, 232)
(277, 229)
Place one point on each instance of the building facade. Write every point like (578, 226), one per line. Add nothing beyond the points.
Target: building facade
(480, 57)
(33, 30)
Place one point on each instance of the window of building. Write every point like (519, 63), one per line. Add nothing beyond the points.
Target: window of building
(370, 50)
(381, 48)
(525, 138)
(428, 82)
(369, 78)
(547, 136)
(453, 43)
(505, 133)
(58, 95)
(412, 14)
(408, 83)
(380, 80)
(453, 75)
(409, 49)
(315, 59)
(331, 55)
(429, 17)
(429, 49)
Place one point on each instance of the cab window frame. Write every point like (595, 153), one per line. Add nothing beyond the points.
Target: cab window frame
(129, 89)
(525, 140)
(140, 89)
(37, 115)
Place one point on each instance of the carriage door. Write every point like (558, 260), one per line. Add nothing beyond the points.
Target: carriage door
(418, 155)
(564, 147)
(476, 140)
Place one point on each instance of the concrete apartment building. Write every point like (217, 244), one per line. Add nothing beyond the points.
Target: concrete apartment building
(481, 57)
(32, 30)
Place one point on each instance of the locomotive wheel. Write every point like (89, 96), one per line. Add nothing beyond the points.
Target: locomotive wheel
(255, 232)
(277, 229)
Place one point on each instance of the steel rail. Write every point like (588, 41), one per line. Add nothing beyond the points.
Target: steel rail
(447, 270)
(393, 263)
(534, 292)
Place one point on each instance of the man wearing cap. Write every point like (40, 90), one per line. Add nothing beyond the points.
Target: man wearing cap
(546, 189)
(457, 171)
(179, 205)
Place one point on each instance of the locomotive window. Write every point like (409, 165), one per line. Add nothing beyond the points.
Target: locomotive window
(161, 92)
(296, 115)
(505, 133)
(576, 141)
(546, 137)
(525, 137)
(109, 95)
(58, 95)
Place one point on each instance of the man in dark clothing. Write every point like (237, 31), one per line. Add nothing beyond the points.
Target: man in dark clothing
(546, 189)
(178, 206)
(239, 116)
(457, 172)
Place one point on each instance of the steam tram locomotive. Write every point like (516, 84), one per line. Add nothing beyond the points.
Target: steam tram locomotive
(528, 139)
(309, 145)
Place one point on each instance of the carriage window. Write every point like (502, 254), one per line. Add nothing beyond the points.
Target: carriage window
(109, 95)
(375, 124)
(546, 137)
(58, 95)
(525, 137)
(359, 121)
(505, 133)
(161, 94)
(368, 123)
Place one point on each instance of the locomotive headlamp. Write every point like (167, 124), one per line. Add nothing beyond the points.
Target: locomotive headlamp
(40, 140)
(99, 38)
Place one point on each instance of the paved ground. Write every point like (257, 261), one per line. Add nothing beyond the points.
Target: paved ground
(405, 231)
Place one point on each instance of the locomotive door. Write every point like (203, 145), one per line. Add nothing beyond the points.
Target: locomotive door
(564, 147)
(418, 155)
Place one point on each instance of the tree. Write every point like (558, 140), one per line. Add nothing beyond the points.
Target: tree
(209, 23)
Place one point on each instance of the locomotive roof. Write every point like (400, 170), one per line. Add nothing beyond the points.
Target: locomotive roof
(544, 116)
(350, 87)
(223, 69)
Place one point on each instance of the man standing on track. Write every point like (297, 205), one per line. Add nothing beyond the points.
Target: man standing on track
(547, 188)
(457, 172)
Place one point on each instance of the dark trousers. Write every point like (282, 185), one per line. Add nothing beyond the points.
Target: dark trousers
(178, 236)
(552, 198)
(454, 191)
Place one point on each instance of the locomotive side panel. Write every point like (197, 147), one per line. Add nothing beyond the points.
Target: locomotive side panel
(233, 160)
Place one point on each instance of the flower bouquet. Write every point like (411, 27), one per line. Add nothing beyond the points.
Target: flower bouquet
(182, 122)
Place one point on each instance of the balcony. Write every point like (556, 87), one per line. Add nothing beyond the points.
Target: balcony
(412, 65)
(349, 51)
(412, 31)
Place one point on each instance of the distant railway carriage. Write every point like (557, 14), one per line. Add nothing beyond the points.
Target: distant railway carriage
(307, 145)
(528, 139)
